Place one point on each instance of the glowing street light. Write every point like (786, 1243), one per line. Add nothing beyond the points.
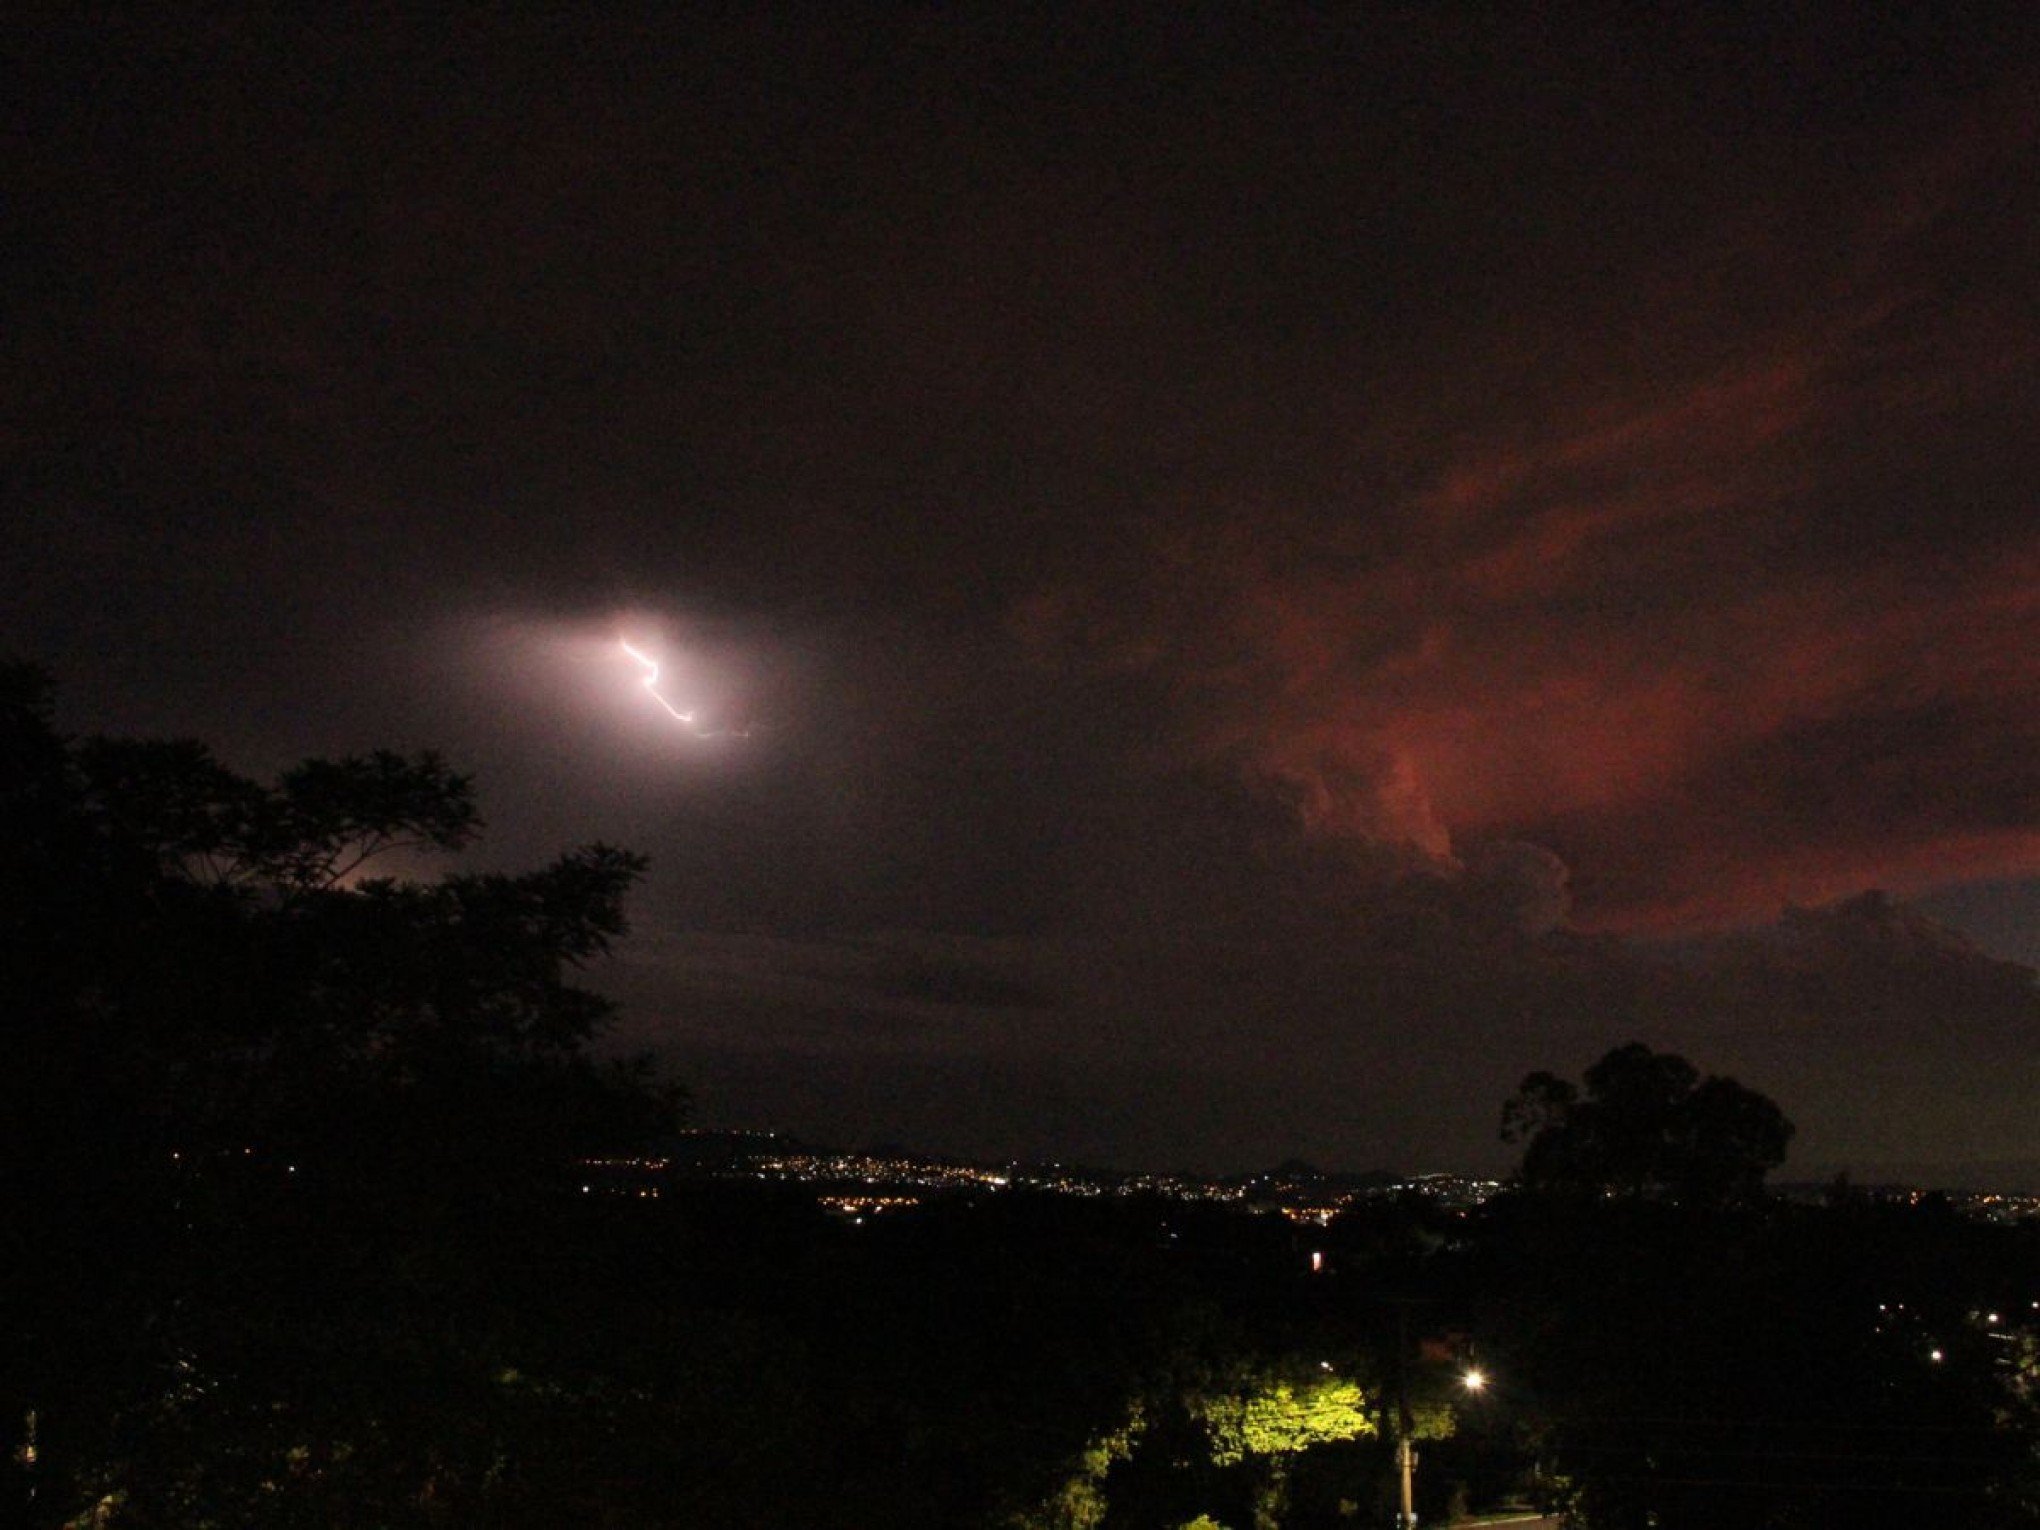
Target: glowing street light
(1474, 1380)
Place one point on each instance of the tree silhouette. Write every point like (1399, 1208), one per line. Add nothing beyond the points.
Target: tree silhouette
(1646, 1126)
(245, 1080)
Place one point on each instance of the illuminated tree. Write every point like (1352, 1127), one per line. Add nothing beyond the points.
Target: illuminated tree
(1282, 1417)
(1268, 1424)
(1235, 1438)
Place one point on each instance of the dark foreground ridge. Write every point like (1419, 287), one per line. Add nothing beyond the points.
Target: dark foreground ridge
(323, 1211)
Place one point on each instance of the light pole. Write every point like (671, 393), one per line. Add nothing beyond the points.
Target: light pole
(1473, 1379)
(1405, 1449)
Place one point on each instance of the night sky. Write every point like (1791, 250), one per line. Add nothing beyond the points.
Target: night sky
(1246, 576)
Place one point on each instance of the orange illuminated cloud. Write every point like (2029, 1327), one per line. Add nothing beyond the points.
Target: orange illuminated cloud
(1750, 622)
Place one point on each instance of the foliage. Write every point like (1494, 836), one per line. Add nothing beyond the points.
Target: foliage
(1282, 1417)
(255, 1106)
(320, 823)
(1215, 1441)
(1647, 1125)
(1078, 1502)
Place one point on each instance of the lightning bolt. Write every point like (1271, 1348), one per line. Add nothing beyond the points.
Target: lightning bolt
(650, 681)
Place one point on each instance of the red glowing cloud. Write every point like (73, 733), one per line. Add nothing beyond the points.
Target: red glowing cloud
(1751, 621)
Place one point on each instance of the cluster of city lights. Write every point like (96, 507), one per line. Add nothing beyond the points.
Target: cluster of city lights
(858, 1207)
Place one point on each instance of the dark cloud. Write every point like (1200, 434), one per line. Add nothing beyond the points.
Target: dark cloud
(1393, 1043)
(1870, 966)
(927, 978)
(1233, 538)
(1864, 1019)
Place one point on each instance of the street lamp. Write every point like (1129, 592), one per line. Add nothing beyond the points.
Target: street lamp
(1473, 1379)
